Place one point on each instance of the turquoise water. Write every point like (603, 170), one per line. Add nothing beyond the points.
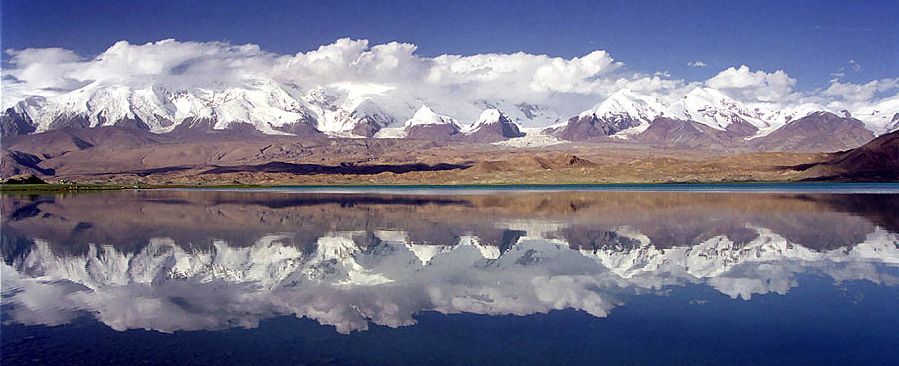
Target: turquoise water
(821, 187)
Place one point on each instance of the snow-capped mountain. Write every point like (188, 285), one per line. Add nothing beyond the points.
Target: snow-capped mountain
(356, 110)
(525, 115)
(342, 109)
(715, 109)
(882, 117)
(266, 105)
(705, 114)
(492, 126)
(427, 124)
(374, 110)
(894, 124)
(818, 131)
(628, 111)
(426, 116)
(489, 117)
(623, 114)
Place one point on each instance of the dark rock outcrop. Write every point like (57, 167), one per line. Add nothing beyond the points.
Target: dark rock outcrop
(14, 123)
(589, 127)
(14, 163)
(301, 128)
(24, 179)
(493, 131)
(367, 127)
(198, 128)
(740, 128)
(439, 132)
(71, 121)
(135, 123)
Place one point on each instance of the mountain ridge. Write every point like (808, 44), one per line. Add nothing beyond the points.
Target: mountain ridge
(363, 111)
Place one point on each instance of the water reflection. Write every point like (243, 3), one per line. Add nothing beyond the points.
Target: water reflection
(188, 260)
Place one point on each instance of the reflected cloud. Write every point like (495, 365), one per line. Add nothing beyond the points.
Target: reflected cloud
(177, 260)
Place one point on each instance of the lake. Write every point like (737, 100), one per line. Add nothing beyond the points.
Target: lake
(685, 274)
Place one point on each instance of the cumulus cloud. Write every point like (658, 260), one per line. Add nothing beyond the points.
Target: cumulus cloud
(180, 64)
(44, 68)
(195, 64)
(850, 92)
(459, 85)
(517, 77)
(696, 64)
(758, 86)
(576, 75)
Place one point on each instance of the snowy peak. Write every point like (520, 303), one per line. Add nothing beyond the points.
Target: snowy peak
(353, 110)
(427, 124)
(621, 115)
(367, 108)
(491, 115)
(778, 116)
(882, 117)
(426, 116)
(492, 126)
(715, 109)
(263, 104)
(627, 103)
(488, 117)
(894, 124)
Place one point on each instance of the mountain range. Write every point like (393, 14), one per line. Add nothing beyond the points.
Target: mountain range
(703, 118)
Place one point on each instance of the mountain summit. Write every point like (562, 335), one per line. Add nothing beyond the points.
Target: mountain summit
(492, 126)
(427, 124)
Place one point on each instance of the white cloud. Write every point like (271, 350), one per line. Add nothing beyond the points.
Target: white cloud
(267, 277)
(44, 68)
(566, 85)
(860, 92)
(575, 75)
(755, 86)
(696, 64)
(517, 78)
(180, 64)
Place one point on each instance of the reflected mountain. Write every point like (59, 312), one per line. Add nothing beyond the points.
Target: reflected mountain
(188, 260)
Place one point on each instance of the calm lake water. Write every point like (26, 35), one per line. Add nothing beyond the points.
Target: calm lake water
(551, 275)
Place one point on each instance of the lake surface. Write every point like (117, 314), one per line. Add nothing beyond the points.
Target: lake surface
(371, 276)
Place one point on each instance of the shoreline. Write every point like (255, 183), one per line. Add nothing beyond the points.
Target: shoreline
(715, 186)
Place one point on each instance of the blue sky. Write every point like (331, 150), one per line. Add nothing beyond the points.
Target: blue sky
(810, 40)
